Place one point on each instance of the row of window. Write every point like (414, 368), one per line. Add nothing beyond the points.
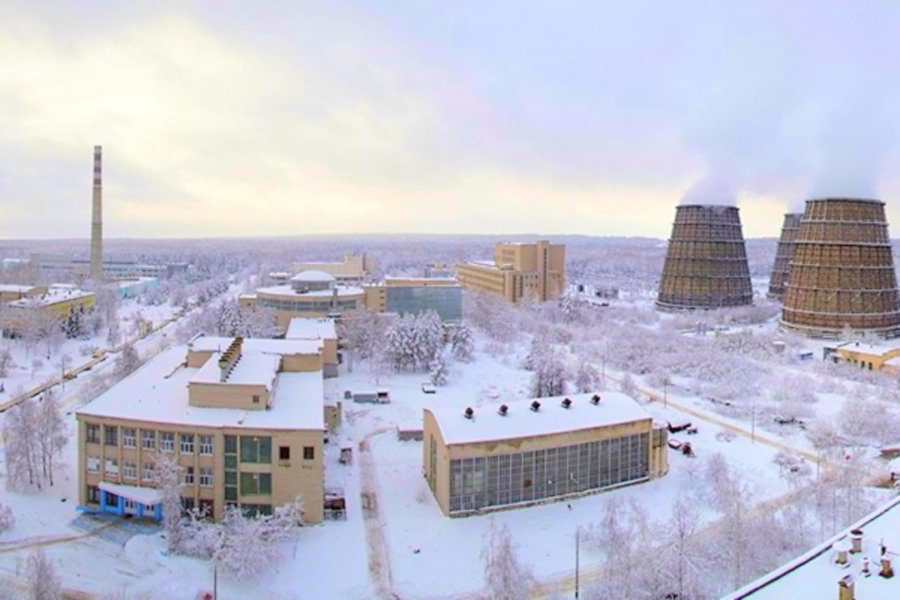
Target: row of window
(148, 473)
(150, 440)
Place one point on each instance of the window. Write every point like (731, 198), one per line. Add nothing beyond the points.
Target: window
(256, 449)
(207, 508)
(206, 445)
(187, 504)
(129, 469)
(110, 435)
(187, 443)
(231, 493)
(93, 464)
(253, 510)
(284, 456)
(188, 476)
(166, 441)
(93, 494)
(147, 473)
(255, 399)
(93, 433)
(309, 453)
(253, 484)
(111, 467)
(129, 437)
(148, 440)
(230, 444)
(206, 477)
(231, 462)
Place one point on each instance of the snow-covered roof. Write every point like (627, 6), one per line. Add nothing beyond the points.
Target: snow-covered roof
(205, 343)
(145, 495)
(312, 275)
(158, 392)
(814, 574)
(53, 296)
(877, 349)
(288, 291)
(521, 422)
(250, 369)
(15, 289)
(484, 263)
(311, 329)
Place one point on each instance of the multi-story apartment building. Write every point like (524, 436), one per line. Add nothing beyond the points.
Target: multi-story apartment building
(244, 419)
(531, 451)
(519, 271)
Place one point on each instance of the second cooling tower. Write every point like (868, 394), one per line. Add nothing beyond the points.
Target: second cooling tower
(784, 254)
(706, 263)
(842, 274)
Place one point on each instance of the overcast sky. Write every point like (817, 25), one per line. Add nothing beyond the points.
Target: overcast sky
(227, 119)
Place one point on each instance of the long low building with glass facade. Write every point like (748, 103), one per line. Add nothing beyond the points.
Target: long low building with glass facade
(531, 451)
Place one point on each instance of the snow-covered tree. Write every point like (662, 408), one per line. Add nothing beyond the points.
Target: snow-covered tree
(549, 378)
(249, 547)
(7, 518)
(51, 433)
(43, 582)
(463, 343)
(506, 576)
(22, 451)
(587, 379)
(362, 332)
(439, 372)
(127, 362)
(168, 482)
(6, 362)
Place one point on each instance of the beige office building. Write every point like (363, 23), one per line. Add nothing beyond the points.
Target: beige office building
(354, 268)
(531, 451)
(519, 271)
(245, 419)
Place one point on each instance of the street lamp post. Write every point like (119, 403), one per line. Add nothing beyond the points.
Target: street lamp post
(666, 392)
(577, 549)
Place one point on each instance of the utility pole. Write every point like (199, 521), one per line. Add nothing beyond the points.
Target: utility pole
(666, 392)
(577, 549)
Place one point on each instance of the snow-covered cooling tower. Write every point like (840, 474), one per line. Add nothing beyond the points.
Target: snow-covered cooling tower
(706, 263)
(784, 255)
(842, 274)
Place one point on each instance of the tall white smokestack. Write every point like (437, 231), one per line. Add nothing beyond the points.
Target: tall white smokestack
(97, 217)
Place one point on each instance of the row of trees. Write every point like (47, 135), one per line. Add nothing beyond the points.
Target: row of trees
(35, 435)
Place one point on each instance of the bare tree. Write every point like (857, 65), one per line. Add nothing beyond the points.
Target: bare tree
(52, 436)
(43, 582)
(506, 577)
(22, 450)
(6, 362)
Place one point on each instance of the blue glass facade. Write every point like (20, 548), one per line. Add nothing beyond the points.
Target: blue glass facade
(446, 301)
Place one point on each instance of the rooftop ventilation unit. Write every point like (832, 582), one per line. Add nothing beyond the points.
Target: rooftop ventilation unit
(535, 406)
(469, 412)
(595, 399)
(503, 410)
(566, 403)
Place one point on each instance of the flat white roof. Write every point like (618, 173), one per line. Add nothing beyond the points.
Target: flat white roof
(311, 329)
(206, 343)
(250, 369)
(814, 574)
(145, 495)
(521, 422)
(53, 296)
(17, 289)
(158, 392)
(313, 275)
(286, 290)
(878, 349)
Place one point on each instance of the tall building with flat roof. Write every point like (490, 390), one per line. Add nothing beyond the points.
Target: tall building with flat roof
(540, 450)
(243, 418)
(519, 271)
